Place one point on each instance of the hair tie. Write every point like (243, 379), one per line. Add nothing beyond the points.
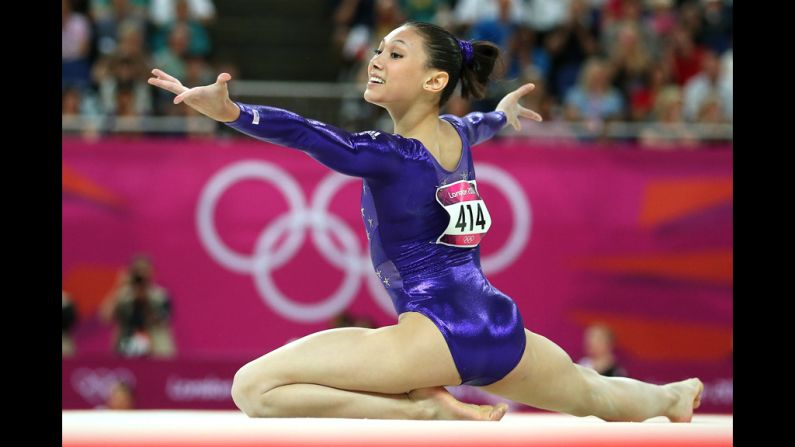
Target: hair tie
(466, 51)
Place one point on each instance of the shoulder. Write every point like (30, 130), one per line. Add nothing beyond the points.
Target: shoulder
(456, 121)
(460, 123)
(386, 142)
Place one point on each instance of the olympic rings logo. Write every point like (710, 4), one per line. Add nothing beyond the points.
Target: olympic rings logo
(353, 260)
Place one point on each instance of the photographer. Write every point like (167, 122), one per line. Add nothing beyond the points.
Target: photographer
(142, 310)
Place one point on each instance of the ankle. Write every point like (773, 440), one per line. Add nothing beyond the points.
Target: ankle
(671, 398)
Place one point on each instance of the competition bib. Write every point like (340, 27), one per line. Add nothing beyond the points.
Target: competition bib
(469, 218)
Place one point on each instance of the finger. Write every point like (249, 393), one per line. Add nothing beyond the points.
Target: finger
(181, 97)
(527, 113)
(515, 124)
(223, 78)
(167, 85)
(162, 74)
(525, 89)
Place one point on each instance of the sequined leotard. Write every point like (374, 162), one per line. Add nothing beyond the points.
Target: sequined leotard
(424, 224)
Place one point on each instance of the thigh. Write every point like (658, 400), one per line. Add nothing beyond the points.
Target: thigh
(392, 360)
(545, 378)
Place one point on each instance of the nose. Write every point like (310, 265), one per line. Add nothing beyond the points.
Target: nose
(374, 62)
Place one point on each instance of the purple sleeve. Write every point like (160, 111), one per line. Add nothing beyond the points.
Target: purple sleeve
(479, 126)
(364, 154)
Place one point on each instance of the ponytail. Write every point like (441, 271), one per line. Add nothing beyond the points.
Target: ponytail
(470, 62)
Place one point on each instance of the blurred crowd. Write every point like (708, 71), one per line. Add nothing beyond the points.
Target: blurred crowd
(109, 48)
(663, 66)
(667, 62)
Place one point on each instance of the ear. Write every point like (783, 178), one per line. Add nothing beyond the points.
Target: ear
(436, 82)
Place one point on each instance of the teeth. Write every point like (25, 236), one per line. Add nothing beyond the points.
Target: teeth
(376, 79)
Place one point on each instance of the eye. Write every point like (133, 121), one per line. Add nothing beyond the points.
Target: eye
(395, 55)
(377, 51)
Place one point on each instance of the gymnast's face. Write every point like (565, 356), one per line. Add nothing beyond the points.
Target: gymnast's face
(398, 72)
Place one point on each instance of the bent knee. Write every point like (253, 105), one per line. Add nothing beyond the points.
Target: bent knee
(247, 392)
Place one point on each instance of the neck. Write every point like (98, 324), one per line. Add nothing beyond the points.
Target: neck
(420, 121)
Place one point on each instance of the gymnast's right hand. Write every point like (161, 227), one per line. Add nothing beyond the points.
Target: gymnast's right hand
(211, 100)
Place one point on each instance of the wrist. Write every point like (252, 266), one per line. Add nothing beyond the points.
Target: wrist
(232, 111)
(504, 117)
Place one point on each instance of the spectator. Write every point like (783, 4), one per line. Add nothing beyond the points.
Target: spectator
(75, 46)
(354, 25)
(684, 56)
(80, 108)
(499, 29)
(123, 73)
(569, 45)
(110, 16)
(662, 20)
(709, 118)
(599, 342)
(70, 101)
(668, 130)
(468, 12)
(346, 319)
(106, 9)
(141, 310)
(716, 28)
(630, 60)
(69, 316)
(544, 16)
(594, 99)
(199, 42)
(642, 98)
(172, 60)
(364, 321)
(630, 13)
(163, 12)
(690, 16)
(388, 16)
(708, 83)
(530, 56)
(425, 10)
(120, 397)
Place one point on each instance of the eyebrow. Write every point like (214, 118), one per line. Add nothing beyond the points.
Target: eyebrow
(397, 40)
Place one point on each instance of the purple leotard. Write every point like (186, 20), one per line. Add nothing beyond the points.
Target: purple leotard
(424, 224)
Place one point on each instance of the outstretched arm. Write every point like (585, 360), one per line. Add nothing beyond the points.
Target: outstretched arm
(480, 126)
(365, 154)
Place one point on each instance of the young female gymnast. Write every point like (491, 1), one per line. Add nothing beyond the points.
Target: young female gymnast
(424, 219)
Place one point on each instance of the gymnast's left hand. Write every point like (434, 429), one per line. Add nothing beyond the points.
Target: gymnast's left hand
(510, 106)
(211, 100)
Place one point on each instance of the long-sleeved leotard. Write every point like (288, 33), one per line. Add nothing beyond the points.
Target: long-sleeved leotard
(424, 224)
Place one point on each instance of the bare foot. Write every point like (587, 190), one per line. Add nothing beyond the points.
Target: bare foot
(687, 398)
(444, 405)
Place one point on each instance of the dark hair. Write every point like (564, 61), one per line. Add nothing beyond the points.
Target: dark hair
(444, 53)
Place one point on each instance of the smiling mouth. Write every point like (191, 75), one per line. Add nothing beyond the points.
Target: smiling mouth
(375, 80)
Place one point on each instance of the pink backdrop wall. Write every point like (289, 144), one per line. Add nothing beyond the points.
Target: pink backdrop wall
(641, 240)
